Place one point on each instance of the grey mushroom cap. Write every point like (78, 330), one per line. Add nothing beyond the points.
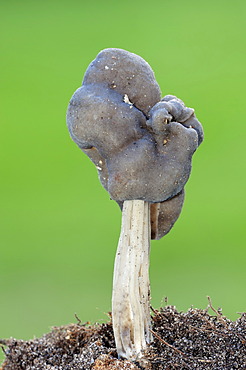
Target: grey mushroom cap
(142, 145)
(126, 73)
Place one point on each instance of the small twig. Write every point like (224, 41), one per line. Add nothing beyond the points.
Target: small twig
(212, 330)
(180, 352)
(154, 310)
(218, 314)
(78, 319)
(3, 349)
(212, 308)
(167, 344)
(222, 320)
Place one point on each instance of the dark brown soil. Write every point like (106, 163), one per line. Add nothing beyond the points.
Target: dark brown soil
(182, 340)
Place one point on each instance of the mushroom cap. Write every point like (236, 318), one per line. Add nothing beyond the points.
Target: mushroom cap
(98, 117)
(163, 215)
(126, 73)
(143, 171)
(142, 145)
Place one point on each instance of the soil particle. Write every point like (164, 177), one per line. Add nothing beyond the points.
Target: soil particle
(181, 340)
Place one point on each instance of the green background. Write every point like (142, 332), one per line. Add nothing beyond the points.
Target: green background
(59, 230)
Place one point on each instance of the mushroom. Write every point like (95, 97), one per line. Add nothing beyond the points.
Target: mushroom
(142, 147)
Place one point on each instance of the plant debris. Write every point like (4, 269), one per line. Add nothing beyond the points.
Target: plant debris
(181, 340)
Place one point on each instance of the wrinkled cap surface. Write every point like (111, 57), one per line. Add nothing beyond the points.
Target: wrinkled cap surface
(142, 145)
(126, 73)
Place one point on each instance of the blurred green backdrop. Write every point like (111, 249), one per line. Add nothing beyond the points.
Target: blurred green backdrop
(59, 230)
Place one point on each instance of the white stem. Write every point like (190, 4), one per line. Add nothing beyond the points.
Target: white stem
(131, 288)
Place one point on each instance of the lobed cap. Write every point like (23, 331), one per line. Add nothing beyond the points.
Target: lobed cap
(142, 145)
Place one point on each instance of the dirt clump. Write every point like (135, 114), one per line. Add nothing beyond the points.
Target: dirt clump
(181, 340)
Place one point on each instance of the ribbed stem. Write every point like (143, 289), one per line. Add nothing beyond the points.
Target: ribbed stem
(131, 288)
